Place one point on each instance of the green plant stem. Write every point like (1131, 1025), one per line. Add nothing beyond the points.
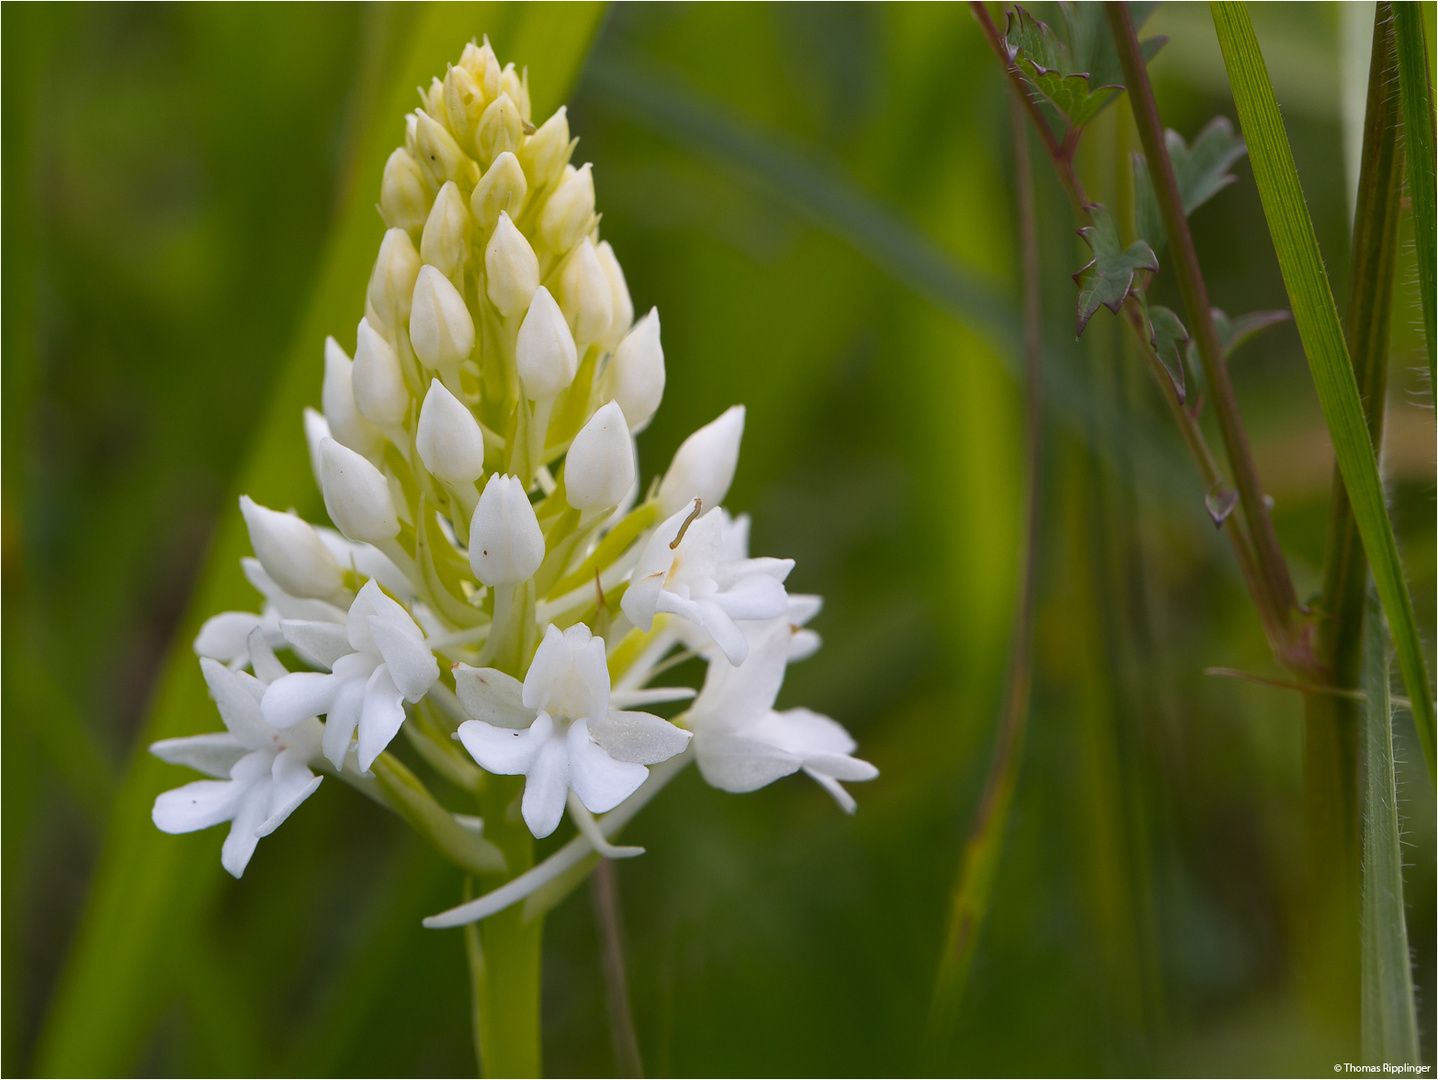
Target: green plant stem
(1331, 732)
(970, 898)
(604, 885)
(1316, 316)
(1417, 94)
(504, 951)
(1276, 596)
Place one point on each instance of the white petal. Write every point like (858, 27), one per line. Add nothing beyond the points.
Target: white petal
(600, 782)
(754, 596)
(714, 620)
(504, 751)
(214, 755)
(343, 718)
(638, 737)
(736, 697)
(244, 834)
(703, 466)
(653, 695)
(298, 695)
(291, 784)
(805, 732)
(843, 798)
(412, 667)
(224, 636)
(492, 696)
(262, 658)
(317, 643)
(195, 806)
(804, 644)
(569, 675)
(546, 786)
(382, 715)
(236, 702)
(738, 763)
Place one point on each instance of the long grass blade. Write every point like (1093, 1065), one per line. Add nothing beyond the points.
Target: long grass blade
(149, 888)
(1416, 88)
(1316, 315)
(1390, 1025)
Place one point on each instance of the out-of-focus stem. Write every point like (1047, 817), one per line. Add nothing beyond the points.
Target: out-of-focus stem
(604, 883)
(970, 899)
(1276, 596)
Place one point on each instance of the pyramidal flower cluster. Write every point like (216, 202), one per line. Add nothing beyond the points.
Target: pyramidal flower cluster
(501, 588)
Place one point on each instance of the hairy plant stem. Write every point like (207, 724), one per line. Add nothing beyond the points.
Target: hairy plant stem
(970, 898)
(504, 950)
(1332, 722)
(1276, 597)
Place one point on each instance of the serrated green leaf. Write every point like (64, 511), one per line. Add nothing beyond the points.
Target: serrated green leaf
(1167, 336)
(1049, 67)
(1200, 170)
(1091, 44)
(1108, 278)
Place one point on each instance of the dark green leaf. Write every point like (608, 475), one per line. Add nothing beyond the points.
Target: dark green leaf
(1049, 67)
(1091, 43)
(1417, 93)
(1233, 333)
(1108, 278)
(1167, 336)
(1201, 171)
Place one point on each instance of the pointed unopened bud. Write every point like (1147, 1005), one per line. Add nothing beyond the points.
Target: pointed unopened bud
(544, 351)
(639, 371)
(432, 100)
(356, 495)
(506, 544)
(380, 393)
(703, 466)
(337, 398)
(448, 438)
(588, 299)
(463, 106)
(403, 198)
(291, 552)
(546, 153)
(621, 304)
(599, 469)
(445, 243)
(481, 62)
(500, 190)
(570, 209)
(516, 85)
(391, 283)
(440, 328)
(501, 128)
(440, 156)
(411, 142)
(317, 429)
(511, 269)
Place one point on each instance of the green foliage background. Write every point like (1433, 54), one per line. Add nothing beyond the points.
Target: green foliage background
(817, 197)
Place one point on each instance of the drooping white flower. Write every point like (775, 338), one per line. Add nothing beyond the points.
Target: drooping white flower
(560, 729)
(366, 688)
(506, 544)
(682, 571)
(599, 470)
(740, 742)
(703, 466)
(261, 773)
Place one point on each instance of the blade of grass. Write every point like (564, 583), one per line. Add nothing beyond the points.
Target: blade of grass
(1318, 326)
(149, 887)
(970, 898)
(1390, 1026)
(1417, 91)
(1332, 722)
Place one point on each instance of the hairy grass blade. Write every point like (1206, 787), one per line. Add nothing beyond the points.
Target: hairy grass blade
(1416, 88)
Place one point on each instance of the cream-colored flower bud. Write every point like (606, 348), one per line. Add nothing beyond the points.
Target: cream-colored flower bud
(599, 469)
(570, 210)
(448, 438)
(501, 128)
(356, 495)
(440, 327)
(338, 401)
(432, 100)
(545, 154)
(506, 544)
(623, 306)
(511, 269)
(544, 352)
(463, 106)
(380, 393)
(481, 62)
(317, 429)
(445, 243)
(403, 197)
(516, 85)
(411, 140)
(588, 299)
(500, 190)
(638, 367)
(440, 156)
(291, 552)
(391, 283)
(703, 466)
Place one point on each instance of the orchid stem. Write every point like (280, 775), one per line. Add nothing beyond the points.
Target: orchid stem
(604, 885)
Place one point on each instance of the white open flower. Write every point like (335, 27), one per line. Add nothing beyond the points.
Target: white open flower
(560, 729)
(388, 663)
(742, 744)
(261, 774)
(682, 570)
(703, 466)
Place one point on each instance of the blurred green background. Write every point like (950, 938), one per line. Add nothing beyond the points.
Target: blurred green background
(818, 199)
